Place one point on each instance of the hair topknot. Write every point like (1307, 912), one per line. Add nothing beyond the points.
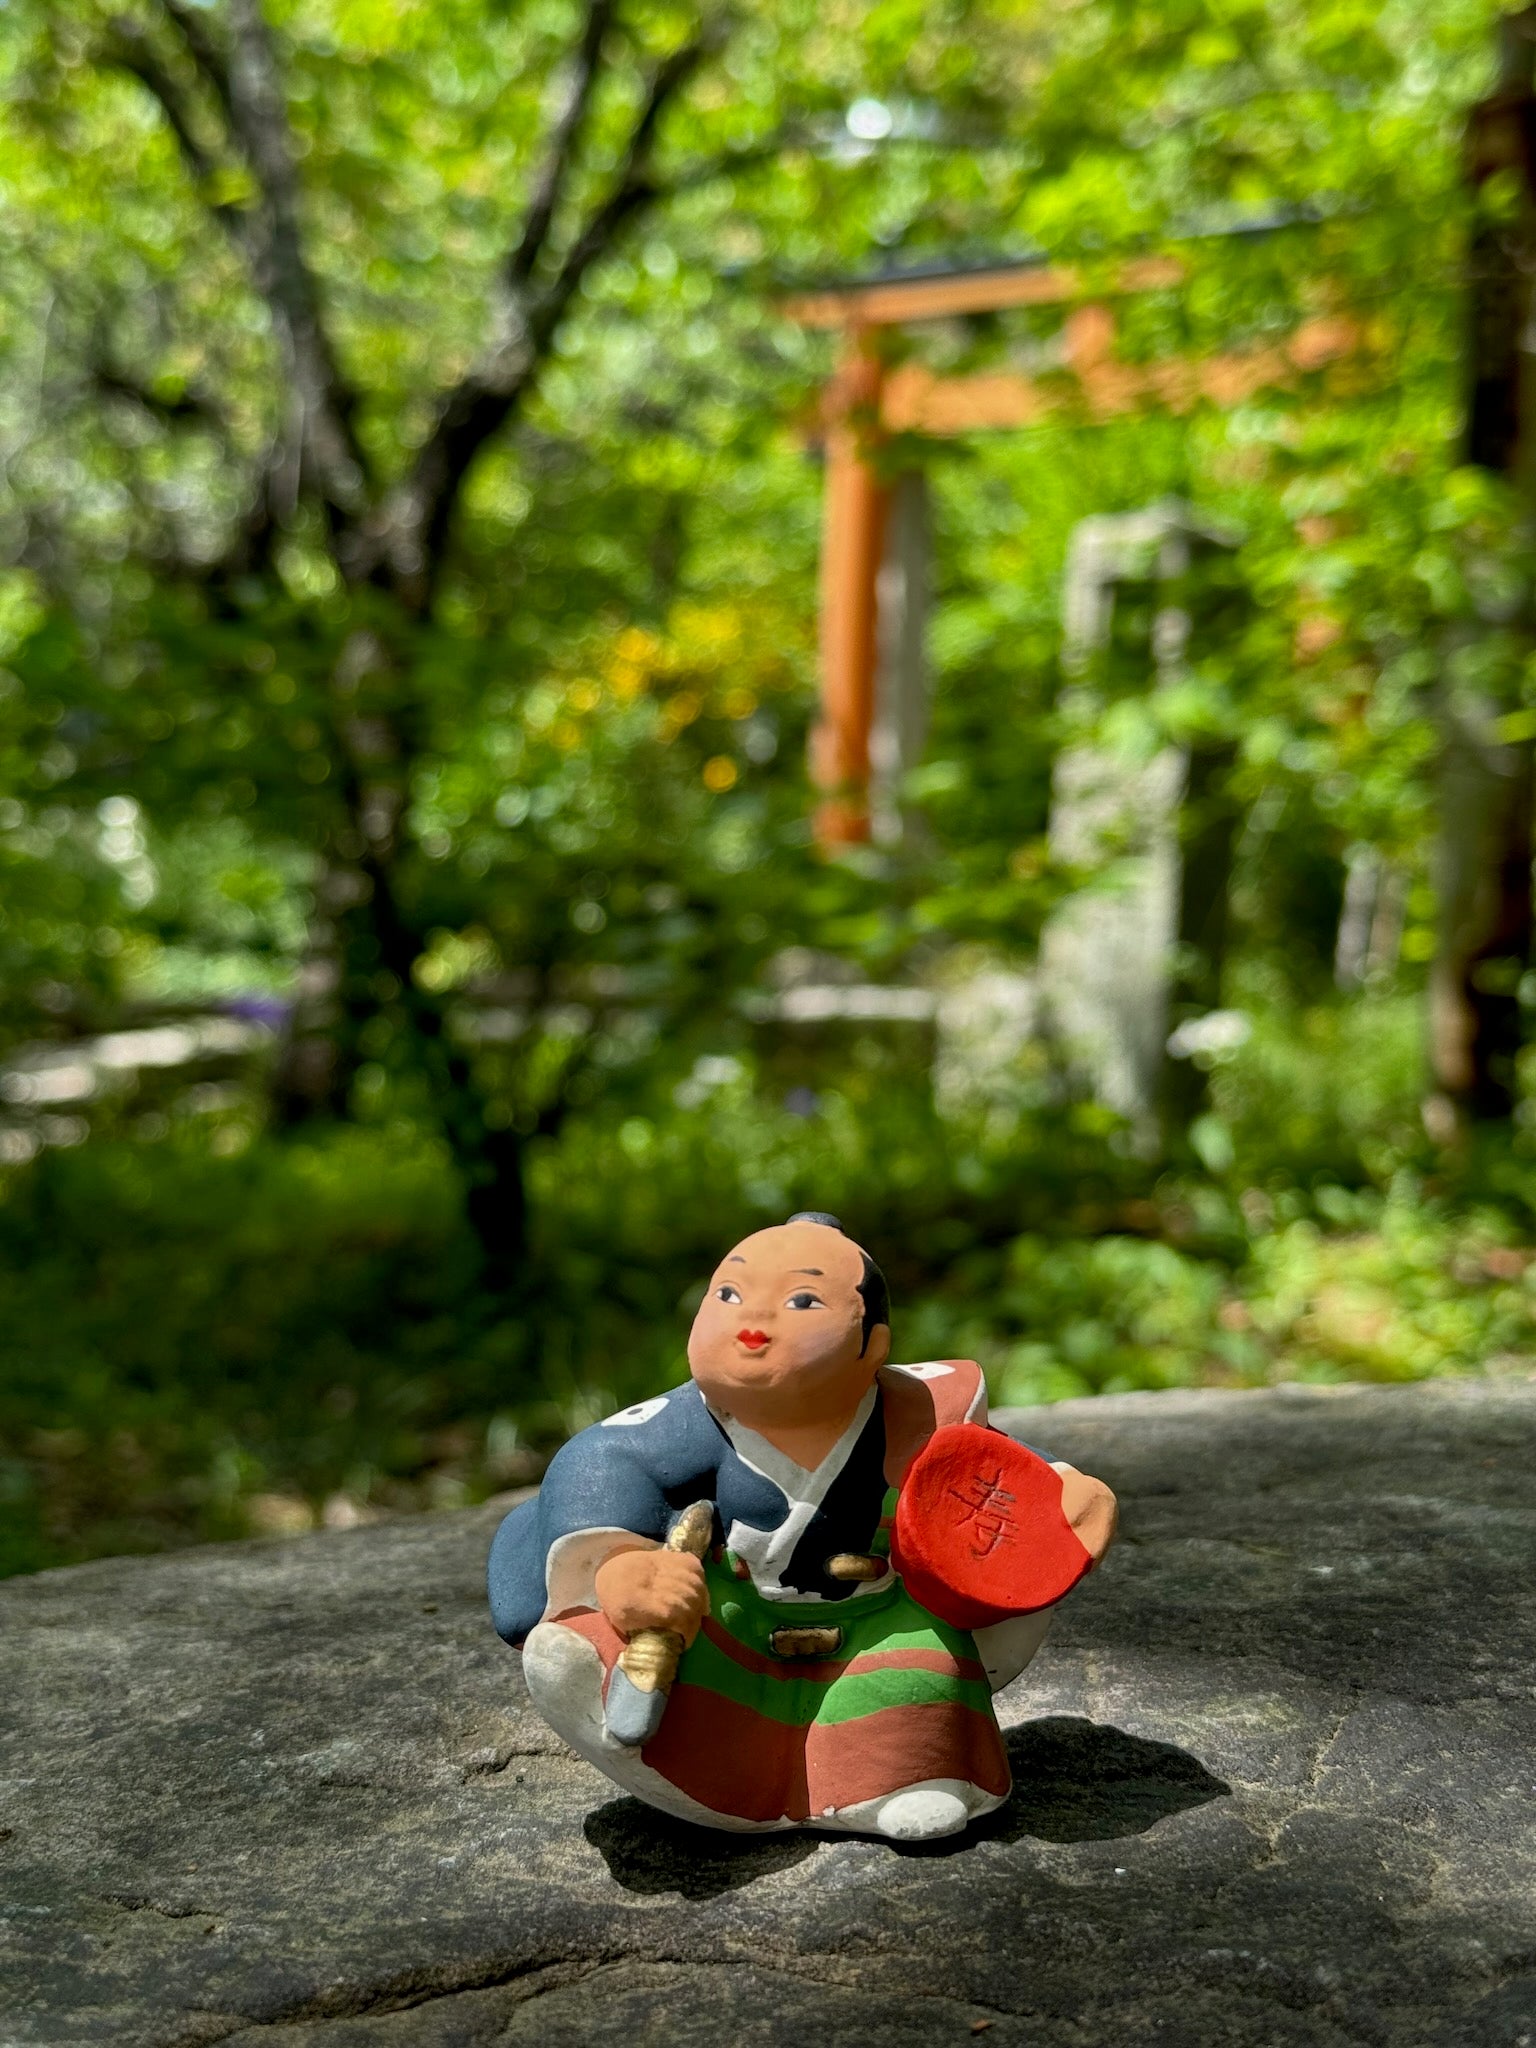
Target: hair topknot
(815, 1216)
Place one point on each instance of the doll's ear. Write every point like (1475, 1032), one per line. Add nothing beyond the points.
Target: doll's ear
(878, 1348)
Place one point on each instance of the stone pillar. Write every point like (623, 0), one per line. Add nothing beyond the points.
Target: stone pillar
(901, 678)
(1109, 955)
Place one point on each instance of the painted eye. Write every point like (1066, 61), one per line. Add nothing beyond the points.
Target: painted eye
(726, 1292)
(805, 1299)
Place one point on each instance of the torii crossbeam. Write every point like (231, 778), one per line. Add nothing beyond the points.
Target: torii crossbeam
(867, 401)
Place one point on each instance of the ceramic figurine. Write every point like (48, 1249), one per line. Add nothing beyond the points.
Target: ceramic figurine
(783, 1594)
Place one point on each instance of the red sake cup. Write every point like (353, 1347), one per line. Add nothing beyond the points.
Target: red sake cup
(980, 1535)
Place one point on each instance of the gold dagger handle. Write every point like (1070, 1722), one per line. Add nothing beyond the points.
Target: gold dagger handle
(649, 1659)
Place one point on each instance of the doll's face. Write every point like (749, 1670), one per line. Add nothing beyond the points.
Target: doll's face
(779, 1333)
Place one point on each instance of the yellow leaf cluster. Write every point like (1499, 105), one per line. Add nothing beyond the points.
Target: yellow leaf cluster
(710, 660)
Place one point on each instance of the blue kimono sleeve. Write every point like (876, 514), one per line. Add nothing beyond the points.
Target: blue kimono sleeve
(630, 1472)
(515, 1573)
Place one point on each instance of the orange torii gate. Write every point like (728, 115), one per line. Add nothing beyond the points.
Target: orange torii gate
(868, 400)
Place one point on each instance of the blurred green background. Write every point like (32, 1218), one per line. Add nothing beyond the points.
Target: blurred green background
(410, 521)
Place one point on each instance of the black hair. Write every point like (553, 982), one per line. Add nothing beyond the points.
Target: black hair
(877, 1296)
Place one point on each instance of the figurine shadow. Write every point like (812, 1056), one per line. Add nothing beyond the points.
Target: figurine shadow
(1081, 1781)
(1073, 1781)
(647, 1851)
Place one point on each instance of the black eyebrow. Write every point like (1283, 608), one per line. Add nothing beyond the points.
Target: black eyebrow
(815, 1270)
(735, 1259)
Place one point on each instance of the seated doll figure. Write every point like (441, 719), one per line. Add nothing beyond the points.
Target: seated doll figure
(815, 1690)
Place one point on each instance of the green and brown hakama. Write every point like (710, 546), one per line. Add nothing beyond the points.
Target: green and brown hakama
(767, 1738)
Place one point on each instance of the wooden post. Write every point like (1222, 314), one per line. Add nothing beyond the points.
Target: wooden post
(853, 538)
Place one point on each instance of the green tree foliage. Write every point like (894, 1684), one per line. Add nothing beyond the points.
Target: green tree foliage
(409, 617)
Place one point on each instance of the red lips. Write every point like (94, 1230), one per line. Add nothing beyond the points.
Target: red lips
(753, 1339)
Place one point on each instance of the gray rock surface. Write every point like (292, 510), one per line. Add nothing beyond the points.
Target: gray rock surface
(1275, 1786)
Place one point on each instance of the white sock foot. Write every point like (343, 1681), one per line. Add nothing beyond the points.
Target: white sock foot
(922, 1816)
(564, 1675)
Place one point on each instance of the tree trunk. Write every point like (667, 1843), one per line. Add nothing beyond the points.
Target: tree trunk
(489, 1156)
(1483, 881)
(360, 957)
(1484, 850)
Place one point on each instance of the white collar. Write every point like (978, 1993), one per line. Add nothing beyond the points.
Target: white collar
(794, 1481)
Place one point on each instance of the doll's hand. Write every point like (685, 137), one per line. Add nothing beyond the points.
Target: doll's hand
(1090, 1507)
(653, 1589)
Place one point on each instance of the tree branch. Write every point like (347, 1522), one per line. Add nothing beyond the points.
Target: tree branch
(632, 190)
(193, 406)
(528, 319)
(192, 26)
(269, 241)
(131, 51)
(564, 142)
(730, 162)
(258, 114)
